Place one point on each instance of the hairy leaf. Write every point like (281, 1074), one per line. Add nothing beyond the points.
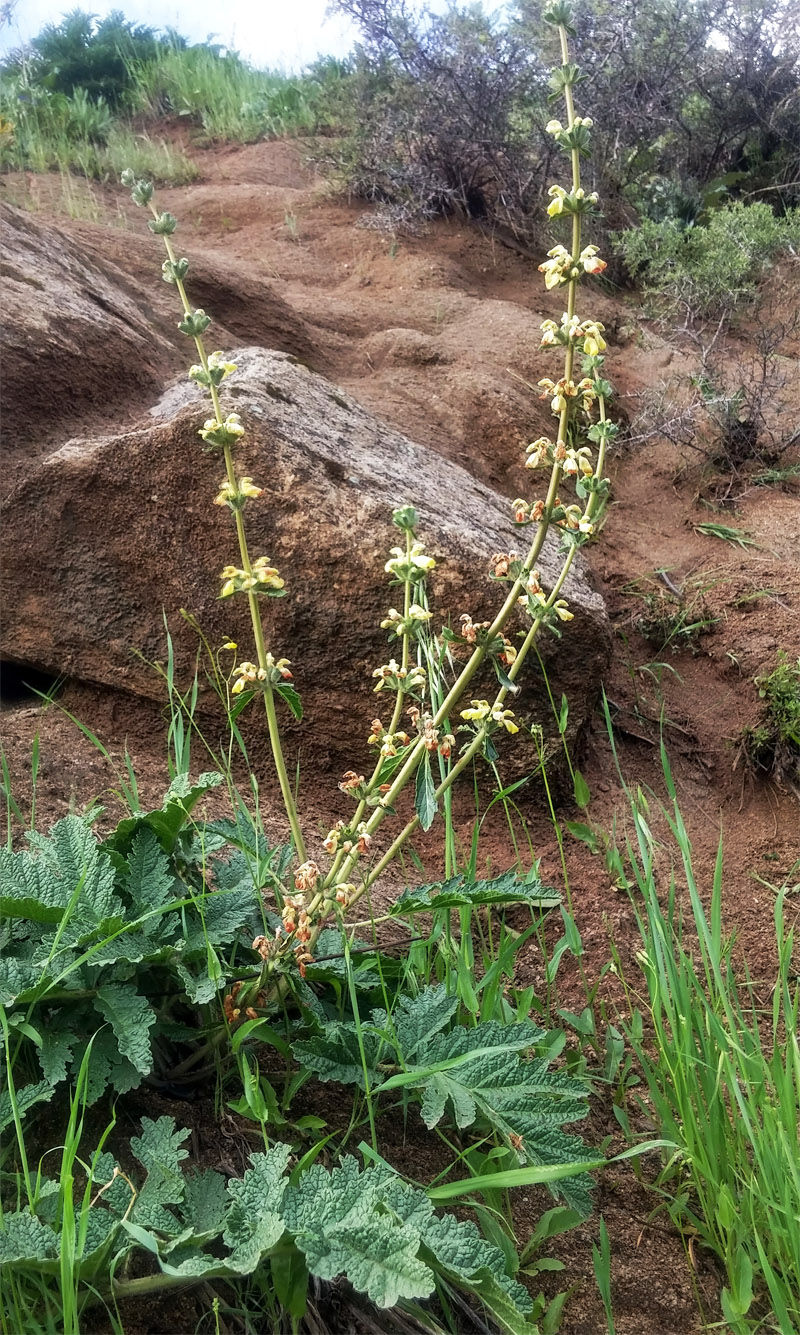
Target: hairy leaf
(219, 915)
(459, 892)
(107, 1066)
(56, 1051)
(67, 867)
(17, 976)
(130, 1016)
(254, 1223)
(459, 1248)
(24, 1238)
(200, 987)
(159, 1149)
(149, 881)
(205, 1204)
(339, 1225)
(415, 1020)
(26, 1097)
(456, 1065)
(335, 1055)
(167, 821)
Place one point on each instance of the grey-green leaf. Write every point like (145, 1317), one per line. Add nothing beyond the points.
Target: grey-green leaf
(425, 793)
(25, 1238)
(459, 892)
(130, 1016)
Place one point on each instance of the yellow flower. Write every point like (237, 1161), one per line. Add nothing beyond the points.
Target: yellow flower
(217, 362)
(549, 333)
(593, 342)
(557, 194)
(231, 426)
(591, 261)
(480, 709)
(553, 127)
(247, 487)
(555, 266)
(418, 558)
(562, 611)
(266, 574)
(247, 674)
(538, 452)
(226, 491)
(505, 717)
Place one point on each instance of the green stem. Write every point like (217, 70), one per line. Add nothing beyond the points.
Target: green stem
(344, 867)
(252, 597)
(397, 713)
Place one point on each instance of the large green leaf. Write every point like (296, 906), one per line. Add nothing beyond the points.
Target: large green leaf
(461, 1251)
(217, 916)
(205, 1204)
(58, 1042)
(339, 1224)
(66, 868)
(131, 1017)
(335, 1055)
(17, 976)
(459, 892)
(150, 882)
(108, 1066)
(160, 1150)
(255, 1223)
(415, 1020)
(23, 1238)
(457, 1066)
(26, 1097)
(168, 820)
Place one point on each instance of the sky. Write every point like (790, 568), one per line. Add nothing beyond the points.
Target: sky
(283, 34)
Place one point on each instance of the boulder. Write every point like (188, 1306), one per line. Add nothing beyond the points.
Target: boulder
(107, 532)
(89, 329)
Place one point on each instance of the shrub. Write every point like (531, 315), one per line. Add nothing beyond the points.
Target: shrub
(772, 746)
(686, 95)
(85, 53)
(707, 271)
(447, 115)
(733, 410)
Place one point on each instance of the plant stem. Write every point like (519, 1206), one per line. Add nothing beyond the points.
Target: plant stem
(252, 597)
(343, 867)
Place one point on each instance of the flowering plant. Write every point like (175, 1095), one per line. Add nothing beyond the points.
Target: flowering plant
(422, 704)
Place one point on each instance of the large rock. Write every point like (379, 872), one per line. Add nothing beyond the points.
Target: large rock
(89, 329)
(107, 532)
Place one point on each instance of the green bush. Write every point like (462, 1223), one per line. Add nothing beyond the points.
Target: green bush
(703, 271)
(772, 746)
(82, 52)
